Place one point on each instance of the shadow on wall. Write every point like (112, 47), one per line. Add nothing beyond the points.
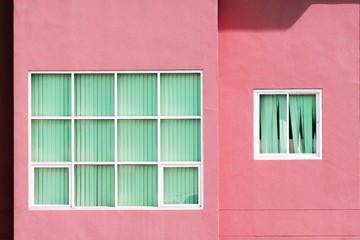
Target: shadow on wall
(266, 14)
(6, 120)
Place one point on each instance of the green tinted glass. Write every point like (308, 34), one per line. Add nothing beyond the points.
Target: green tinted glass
(137, 185)
(137, 94)
(94, 185)
(94, 140)
(50, 140)
(50, 94)
(181, 185)
(137, 140)
(51, 186)
(180, 94)
(180, 140)
(94, 94)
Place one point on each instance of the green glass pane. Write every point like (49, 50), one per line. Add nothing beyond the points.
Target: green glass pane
(273, 124)
(180, 94)
(94, 140)
(137, 140)
(94, 185)
(50, 140)
(51, 186)
(137, 94)
(303, 123)
(50, 94)
(94, 94)
(180, 140)
(181, 185)
(137, 185)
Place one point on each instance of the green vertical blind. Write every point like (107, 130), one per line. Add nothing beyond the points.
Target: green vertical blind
(94, 185)
(94, 94)
(50, 94)
(180, 140)
(137, 140)
(94, 141)
(137, 94)
(137, 185)
(51, 186)
(51, 141)
(181, 185)
(157, 114)
(180, 94)
(288, 123)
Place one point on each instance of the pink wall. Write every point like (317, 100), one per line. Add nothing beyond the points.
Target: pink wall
(116, 35)
(281, 44)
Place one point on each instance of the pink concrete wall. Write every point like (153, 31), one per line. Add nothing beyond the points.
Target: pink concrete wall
(281, 44)
(116, 35)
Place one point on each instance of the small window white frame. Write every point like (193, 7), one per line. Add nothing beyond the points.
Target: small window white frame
(71, 165)
(287, 156)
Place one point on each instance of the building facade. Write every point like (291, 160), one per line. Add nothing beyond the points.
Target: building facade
(227, 119)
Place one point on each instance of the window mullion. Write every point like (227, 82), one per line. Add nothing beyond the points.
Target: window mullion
(72, 168)
(201, 168)
(256, 124)
(318, 125)
(287, 124)
(116, 138)
(160, 179)
(31, 174)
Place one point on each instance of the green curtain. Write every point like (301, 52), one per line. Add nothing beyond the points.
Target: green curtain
(303, 122)
(50, 140)
(137, 94)
(51, 186)
(137, 140)
(50, 94)
(94, 185)
(180, 94)
(181, 185)
(283, 138)
(137, 185)
(180, 140)
(295, 111)
(94, 94)
(314, 123)
(273, 123)
(94, 141)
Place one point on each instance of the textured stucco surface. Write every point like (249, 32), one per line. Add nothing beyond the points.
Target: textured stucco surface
(289, 45)
(116, 35)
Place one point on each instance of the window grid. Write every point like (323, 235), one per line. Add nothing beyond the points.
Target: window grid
(160, 164)
(288, 155)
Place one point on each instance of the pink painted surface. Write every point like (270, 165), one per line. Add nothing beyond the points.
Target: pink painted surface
(292, 237)
(116, 35)
(290, 223)
(281, 44)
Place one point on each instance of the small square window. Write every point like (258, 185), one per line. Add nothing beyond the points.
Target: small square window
(287, 124)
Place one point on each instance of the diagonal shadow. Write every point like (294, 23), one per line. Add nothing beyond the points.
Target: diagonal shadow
(266, 14)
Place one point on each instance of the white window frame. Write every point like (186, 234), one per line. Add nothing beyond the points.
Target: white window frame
(71, 165)
(288, 156)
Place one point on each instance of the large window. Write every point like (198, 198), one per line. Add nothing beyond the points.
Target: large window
(115, 140)
(287, 124)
